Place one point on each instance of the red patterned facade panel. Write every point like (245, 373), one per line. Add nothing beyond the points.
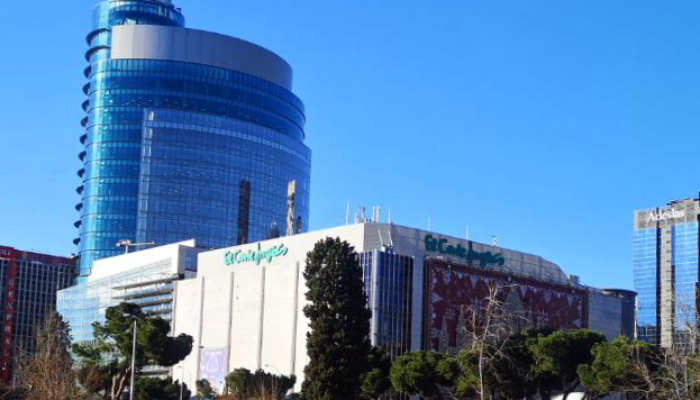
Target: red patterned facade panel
(455, 291)
(7, 347)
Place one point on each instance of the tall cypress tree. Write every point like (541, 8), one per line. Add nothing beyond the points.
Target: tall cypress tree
(338, 344)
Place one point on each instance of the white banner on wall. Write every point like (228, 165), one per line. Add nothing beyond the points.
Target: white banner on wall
(213, 367)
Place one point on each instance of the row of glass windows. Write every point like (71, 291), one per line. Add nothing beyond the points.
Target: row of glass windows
(35, 295)
(195, 73)
(685, 261)
(645, 279)
(393, 291)
(104, 86)
(250, 154)
(102, 113)
(86, 303)
(178, 205)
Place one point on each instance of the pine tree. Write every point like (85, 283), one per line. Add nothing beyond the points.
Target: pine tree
(338, 343)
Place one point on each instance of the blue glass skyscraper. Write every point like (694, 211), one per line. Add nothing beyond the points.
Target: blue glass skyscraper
(188, 135)
(667, 272)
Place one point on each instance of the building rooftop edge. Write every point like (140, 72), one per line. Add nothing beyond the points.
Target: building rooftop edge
(35, 252)
(157, 42)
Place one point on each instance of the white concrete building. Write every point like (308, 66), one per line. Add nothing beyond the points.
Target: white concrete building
(245, 307)
(144, 278)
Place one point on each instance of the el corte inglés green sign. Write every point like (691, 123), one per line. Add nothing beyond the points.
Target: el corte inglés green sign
(442, 246)
(255, 256)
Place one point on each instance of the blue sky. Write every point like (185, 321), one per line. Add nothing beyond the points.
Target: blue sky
(545, 122)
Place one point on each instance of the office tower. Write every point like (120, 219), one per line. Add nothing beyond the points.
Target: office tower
(28, 285)
(666, 272)
(188, 134)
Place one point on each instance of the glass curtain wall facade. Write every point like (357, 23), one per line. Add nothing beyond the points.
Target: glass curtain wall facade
(646, 284)
(171, 147)
(194, 170)
(388, 281)
(666, 273)
(28, 286)
(685, 279)
(151, 287)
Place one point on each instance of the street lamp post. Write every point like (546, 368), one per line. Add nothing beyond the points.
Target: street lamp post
(135, 317)
(133, 364)
(274, 378)
(182, 381)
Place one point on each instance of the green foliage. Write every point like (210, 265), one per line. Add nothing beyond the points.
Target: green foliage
(154, 343)
(159, 389)
(505, 369)
(243, 384)
(557, 358)
(617, 367)
(534, 363)
(376, 381)
(204, 390)
(338, 343)
(239, 383)
(106, 362)
(427, 374)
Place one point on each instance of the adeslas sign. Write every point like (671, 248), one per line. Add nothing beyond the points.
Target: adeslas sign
(664, 215)
(442, 246)
(255, 256)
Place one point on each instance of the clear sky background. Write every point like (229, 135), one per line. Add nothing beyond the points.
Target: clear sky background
(544, 122)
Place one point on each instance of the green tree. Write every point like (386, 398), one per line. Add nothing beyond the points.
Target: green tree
(557, 358)
(106, 362)
(622, 366)
(204, 390)
(508, 372)
(160, 389)
(244, 385)
(376, 380)
(239, 383)
(338, 343)
(429, 375)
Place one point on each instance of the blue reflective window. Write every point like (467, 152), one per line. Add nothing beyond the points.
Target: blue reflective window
(215, 139)
(645, 282)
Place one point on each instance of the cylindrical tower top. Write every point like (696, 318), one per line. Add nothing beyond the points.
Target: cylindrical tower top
(109, 13)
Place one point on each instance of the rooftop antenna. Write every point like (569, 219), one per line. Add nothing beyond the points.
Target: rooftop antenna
(361, 216)
(389, 217)
(347, 213)
(495, 240)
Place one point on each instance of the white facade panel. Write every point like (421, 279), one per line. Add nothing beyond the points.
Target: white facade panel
(188, 303)
(108, 267)
(216, 312)
(151, 42)
(268, 329)
(246, 325)
(301, 358)
(279, 319)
